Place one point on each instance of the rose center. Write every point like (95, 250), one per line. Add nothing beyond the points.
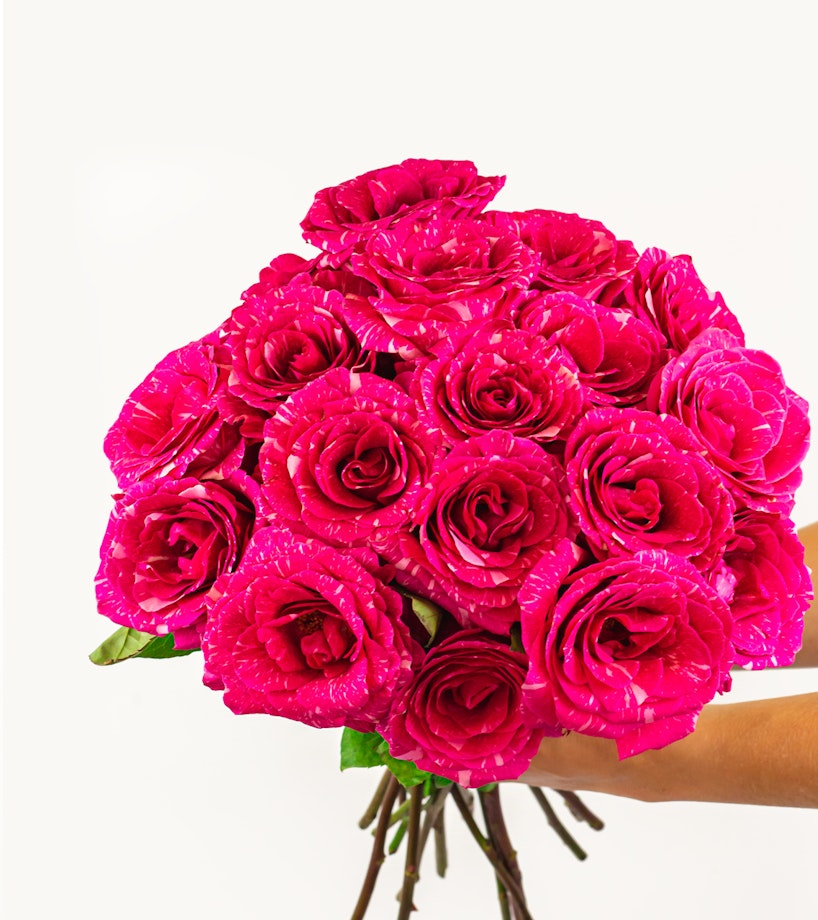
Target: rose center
(369, 473)
(487, 517)
(638, 503)
(318, 633)
(292, 355)
(614, 635)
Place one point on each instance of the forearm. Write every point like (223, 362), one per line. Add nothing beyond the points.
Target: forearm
(760, 753)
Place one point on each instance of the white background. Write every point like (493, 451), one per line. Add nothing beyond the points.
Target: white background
(159, 154)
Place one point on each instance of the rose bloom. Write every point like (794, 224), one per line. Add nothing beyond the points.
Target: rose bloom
(167, 542)
(575, 254)
(617, 355)
(461, 716)
(279, 273)
(288, 267)
(282, 340)
(346, 456)
(496, 377)
(434, 278)
(735, 402)
(630, 648)
(345, 215)
(304, 631)
(172, 419)
(638, 482)
(667, 292)
(494, 507)
(772, 592)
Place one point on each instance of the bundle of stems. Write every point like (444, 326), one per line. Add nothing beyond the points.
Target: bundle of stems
(418, 814)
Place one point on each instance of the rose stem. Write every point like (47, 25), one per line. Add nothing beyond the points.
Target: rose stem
(372, 809)
(441, 851)
(378, 855)
(580, 810)
(500, 869)
(397, 840)
(498, 834)
(410, 873)
(502, 897)
(557, 825)
(400, 812)
(434, 806)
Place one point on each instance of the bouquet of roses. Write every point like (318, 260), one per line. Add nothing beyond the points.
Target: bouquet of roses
(463, 480)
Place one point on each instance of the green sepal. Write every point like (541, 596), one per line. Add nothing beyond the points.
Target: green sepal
(128, 643)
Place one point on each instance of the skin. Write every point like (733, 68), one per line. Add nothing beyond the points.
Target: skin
(763, 752)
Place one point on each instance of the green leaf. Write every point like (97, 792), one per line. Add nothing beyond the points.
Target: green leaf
(163, 647)
(370, 750)
(428, 614)
(123, 644)
(359, 749)
(128, 643)
(404, 771)
(516, 636)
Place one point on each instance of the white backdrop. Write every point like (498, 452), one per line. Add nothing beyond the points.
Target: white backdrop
(159, 154)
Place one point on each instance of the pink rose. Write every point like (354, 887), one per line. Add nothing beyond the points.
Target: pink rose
(345, 215)
(575, 254)
(461, 715)
(617, 355)
(772, 592)
(347, 457)
(495, 377)
(736, 404)
(172, 419)
(434, 278)
(638, 482)
(279, 273)
(628, 648)
(304, 631)
(288, 267)
(279, 342)
(494, 507)
(667, 292)
(167, 542)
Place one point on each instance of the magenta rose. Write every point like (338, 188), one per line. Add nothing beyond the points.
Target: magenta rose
(172, 419)
(494, 507)
(167, 542)
(575, 254)
(435, 277)
(282, 340)
(288, 267)
(772, 591)
(630, 649)
(279, 273)
(461, 715)
(617, 355)
(347, 457)
(496, 377)
(346, 215)
(735, 402)
(667, 292)
(304, 631)
(638, 482)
